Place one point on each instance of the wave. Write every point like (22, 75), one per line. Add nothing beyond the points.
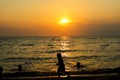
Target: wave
(89, 57)
(117, 42)
(27, 45)
(105, 45)
(114, 58)
(56, 51)
(30, 58)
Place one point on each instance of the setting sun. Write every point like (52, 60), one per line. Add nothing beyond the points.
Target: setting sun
(64, 21)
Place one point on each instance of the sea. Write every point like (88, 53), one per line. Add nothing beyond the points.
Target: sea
(39, 53)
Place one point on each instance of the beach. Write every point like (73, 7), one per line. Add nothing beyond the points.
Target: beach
(107, 77)
(59, 39)
(99, 74)
(35, 58)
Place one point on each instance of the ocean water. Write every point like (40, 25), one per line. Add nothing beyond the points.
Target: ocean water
(39, 53)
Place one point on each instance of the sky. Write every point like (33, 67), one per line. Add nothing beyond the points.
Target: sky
(42, 17)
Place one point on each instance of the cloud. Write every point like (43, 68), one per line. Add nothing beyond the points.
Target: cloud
(105, 29)
(97, 29)
(92, 29)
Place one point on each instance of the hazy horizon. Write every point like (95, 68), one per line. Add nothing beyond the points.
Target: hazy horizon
(42, 17)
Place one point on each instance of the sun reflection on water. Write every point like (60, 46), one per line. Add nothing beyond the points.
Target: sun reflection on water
(65, 45)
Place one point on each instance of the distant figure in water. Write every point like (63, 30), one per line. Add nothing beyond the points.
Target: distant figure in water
(78, 65)
(19, 68)
(61, 66)
(1, 71)
(53, 39)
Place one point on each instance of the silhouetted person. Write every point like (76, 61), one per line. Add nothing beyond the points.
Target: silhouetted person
(1, 71)
(78, 65)
(19, 68)
(61, 66)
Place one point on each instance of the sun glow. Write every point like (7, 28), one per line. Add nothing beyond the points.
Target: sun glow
(64, 21)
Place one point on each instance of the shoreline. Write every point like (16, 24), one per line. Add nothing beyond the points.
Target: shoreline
(99, 74)
(70, 77)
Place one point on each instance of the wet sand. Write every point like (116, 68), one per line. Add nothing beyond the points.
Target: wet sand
(70, 77)
(99, 74)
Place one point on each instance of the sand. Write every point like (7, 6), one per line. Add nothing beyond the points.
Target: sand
(99, 74)
(70, 77)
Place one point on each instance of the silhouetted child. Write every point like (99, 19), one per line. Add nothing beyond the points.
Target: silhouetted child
(78, 65)
(1, 71)
(61, 66)
(19, 68)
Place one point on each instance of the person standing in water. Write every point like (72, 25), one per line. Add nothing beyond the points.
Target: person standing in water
(19, 68)
(78, 65)
(61, 66)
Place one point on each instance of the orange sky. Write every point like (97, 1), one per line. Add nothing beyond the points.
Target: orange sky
(41, 17)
